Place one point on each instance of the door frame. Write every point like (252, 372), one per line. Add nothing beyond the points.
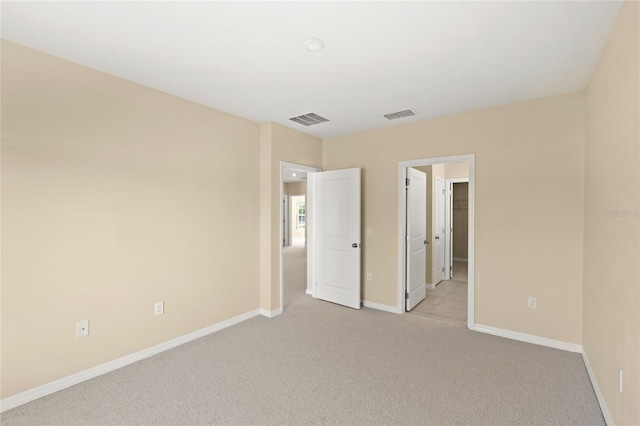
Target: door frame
(286, 228)
(448, 242)
(402, 214)
(310, 227)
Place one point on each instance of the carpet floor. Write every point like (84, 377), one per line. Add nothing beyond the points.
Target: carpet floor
(320, 363)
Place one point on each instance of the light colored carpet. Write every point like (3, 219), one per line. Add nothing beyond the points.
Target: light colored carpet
(320, 363)
(294, 274)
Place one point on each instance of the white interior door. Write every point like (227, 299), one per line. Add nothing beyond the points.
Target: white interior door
(338, 236)
(416, 237)
(438, 230)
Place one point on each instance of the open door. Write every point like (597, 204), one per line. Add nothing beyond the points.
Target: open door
(439, 230)
(338, 236)
(416, 237)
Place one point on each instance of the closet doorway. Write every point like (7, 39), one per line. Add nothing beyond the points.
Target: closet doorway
(448, 279)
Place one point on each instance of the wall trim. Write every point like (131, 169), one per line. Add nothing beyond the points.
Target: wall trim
(381, 307)
(107, 367)
(460, 259)
(603, 405)
(270, 314)
(528, 338)
(309, 292)
(430, 286)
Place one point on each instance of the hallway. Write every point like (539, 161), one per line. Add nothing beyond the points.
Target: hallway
(448, 301)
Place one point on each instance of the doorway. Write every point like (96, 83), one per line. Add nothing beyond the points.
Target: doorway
(293, 252)
(449, 277)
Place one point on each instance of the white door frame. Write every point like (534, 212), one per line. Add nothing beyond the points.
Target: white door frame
(286, 228)
(448, 242)
(310, 227)
(402, 214)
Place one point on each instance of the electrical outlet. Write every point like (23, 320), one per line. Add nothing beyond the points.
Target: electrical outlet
(158, 308)
(369, 277)
(532, 303)
(82, 328)
(620, 379)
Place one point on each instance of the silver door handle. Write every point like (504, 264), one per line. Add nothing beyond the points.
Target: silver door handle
(354, 245)
(437, 237)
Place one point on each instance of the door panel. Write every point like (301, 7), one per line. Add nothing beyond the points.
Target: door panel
(416, 233)
(438, 230)
(338, 200)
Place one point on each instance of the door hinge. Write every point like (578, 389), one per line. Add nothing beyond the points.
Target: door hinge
(406, 295)
(443, 191)
(443, 269)
(406, 182)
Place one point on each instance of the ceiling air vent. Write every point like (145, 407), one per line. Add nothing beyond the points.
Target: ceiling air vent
(308, 119)
(399, 114)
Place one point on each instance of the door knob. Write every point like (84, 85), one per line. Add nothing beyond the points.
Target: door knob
(437, 237)
(426, 242)
(354, 245)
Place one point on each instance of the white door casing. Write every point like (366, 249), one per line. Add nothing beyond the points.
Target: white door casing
(448, 237)
(416, 237)
(285, 220)
(338, 236)
(438, 230)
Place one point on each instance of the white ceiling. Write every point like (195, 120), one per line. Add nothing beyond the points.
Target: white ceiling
(246, 58)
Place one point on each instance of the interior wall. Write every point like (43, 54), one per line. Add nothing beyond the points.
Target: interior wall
(457, 170)
(460, 215)
(612, 230)
(537, 144)
(114, 197)
(296, 188)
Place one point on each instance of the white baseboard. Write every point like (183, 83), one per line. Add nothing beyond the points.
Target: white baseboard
(603, 406)
(430, 286)
(460, 259)
(309, 292)
(529, 338)
(270, 314)
(381, 307)
(74, 379)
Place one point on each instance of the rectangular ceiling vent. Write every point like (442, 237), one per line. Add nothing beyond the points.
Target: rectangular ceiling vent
(309, 119)
(399, 114)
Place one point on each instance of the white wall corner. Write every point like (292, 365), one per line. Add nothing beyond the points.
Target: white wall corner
(603, 406)
(74, 379)
(381, 307)
(528, 338)
(270, 314)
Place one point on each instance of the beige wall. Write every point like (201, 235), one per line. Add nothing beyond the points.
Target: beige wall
(456, 170)
(296, 188)
(115, 196)
(278, 143)
(611, 242)
(539, 144)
